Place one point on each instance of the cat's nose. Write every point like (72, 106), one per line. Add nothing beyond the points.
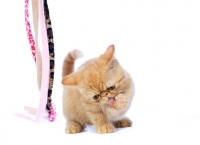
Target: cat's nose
(104, 94)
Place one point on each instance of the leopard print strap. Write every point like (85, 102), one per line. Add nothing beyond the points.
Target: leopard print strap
(49, 106)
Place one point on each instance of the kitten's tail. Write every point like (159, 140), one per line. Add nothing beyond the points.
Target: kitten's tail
(69, 61)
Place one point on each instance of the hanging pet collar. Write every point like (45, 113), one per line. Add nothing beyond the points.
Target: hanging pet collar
(45, 62)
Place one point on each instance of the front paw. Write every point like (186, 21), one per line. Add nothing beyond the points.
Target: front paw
(120, 102)
(105, 128)
(73, 127)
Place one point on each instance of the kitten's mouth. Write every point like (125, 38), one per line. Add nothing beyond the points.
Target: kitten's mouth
(111, 100)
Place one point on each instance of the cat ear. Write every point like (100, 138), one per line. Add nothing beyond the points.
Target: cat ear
(108, 54)
(69, 80)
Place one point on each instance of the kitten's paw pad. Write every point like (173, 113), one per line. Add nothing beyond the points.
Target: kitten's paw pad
(106, 128)
(71, 129)
(120, 102)
(126, 122)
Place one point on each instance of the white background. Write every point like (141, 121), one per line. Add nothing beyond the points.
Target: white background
(157, 41)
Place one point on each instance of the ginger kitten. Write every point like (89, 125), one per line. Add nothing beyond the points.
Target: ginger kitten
(99, 93)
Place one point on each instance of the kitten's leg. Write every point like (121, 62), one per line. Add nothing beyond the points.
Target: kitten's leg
(100, 121)
(124, 122)
(73, 127)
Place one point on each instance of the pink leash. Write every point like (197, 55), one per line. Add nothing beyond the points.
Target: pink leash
(28, 30)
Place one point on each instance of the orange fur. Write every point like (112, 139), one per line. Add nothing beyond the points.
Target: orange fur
(104, 78)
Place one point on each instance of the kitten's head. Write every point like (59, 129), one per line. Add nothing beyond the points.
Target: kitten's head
(100, 79)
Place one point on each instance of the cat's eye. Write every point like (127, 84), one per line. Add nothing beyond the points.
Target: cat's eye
(96, 97)
(111, 88)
